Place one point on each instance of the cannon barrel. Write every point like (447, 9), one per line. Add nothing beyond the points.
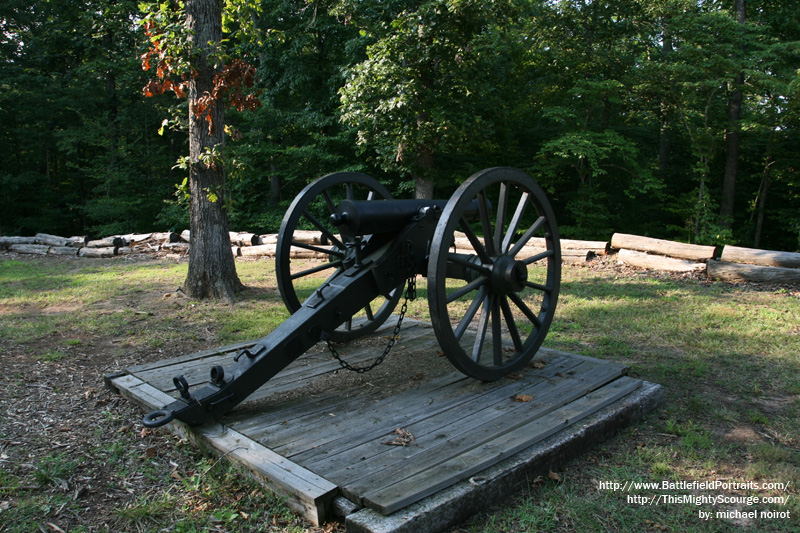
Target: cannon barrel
(384, 216)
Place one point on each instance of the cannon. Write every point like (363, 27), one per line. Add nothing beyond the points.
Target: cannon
(491, 256)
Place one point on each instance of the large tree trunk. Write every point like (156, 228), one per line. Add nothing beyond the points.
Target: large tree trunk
(212, 270)
(732, 138)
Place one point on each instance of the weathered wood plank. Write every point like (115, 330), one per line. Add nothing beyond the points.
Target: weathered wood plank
(341, 463)
(390, 498)
(306, 492)
(464, 438)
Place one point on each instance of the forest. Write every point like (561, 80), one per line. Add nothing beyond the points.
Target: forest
(675, 119)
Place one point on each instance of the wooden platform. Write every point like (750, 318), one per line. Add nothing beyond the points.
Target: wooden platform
(312, 435)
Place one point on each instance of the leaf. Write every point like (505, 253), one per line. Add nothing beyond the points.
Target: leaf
(552, 475)
(522, 398)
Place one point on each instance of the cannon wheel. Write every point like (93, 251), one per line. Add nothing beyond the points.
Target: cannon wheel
(492, 296)
(311, 209)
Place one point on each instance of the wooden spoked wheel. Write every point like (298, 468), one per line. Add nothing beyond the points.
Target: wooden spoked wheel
(297, 277)
(494, 273)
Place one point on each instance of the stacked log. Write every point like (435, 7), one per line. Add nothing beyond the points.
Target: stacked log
(659, 254)
(572, 251)
(762, 266)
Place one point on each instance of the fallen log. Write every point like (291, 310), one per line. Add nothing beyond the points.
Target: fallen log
(105, 251)
(39, 249)
(681, 250)
(77, 241)
(49, 240)
(243, 238)
(8, 241)
(721, 270)
(567, 256)
(259, 250)
(658, 262)
(62, 250)
(737, 254)
(114, 241)
(166, 236)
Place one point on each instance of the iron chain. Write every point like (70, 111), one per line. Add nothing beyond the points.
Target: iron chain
(411, 294)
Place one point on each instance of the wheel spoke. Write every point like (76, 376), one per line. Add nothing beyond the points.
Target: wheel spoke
(477, 245)
(330, 251)
(368, 312)
(538, 257)
(349, 192)
(471, 286)
(512, 325)
(538, 287)
(325, 231)
(502, 208)
(466, 320)
(526, 237)
(497, 339)
(326, 195)
(515, 221)
(480, 335)
(319, 268)
(455, 258)
(525, 310)
(486, 224)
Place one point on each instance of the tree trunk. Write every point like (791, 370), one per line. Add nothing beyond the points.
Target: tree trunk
(732, 138)
(424, 185)
(212, 269)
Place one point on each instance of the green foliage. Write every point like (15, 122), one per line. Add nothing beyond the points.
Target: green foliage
(618, 108)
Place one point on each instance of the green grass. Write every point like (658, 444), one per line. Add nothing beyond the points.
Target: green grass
(727, 355)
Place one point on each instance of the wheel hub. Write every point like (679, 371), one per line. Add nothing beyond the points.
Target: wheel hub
(508, 275)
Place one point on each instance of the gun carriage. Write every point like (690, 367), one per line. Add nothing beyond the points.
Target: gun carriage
(491, 293)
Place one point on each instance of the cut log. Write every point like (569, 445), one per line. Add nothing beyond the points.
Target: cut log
(185, 235)
(62, 250)
(658, 262)
(175, 246)
(259, 250)
(132, 238)
(243, 238)
(722, 270)
(39, 249)
(268, 238)
(596, 247)
(236, 251)
(309, 237)
(166, 236)
(105, 251)
(694, 252)
(114, 241)
(125, 250)
(8, 241)
(50, 240)
(78, 241)
(737, 254)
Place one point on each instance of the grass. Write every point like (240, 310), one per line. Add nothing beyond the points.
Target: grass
(727, 355)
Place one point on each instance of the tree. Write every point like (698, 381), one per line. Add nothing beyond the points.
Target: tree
(195, 56)
(419, 93)
(212, 270)
(732, 134)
